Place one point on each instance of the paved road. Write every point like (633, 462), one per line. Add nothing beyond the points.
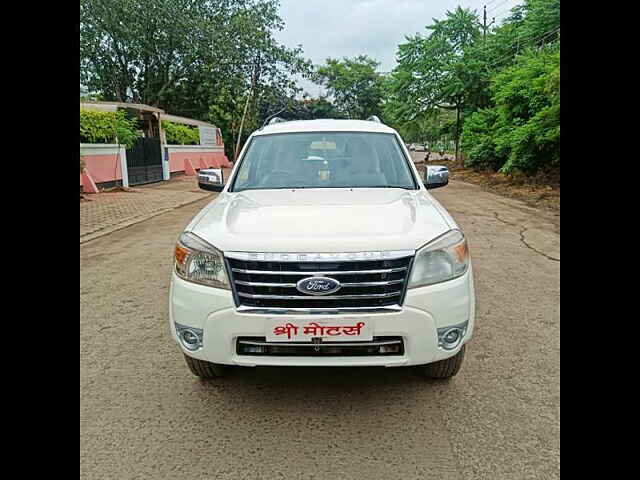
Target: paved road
(109, 211)
(144, 416)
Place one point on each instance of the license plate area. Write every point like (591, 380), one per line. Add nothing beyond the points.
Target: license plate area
(344, 329)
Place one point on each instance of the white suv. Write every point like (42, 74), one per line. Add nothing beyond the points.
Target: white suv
(324, 248)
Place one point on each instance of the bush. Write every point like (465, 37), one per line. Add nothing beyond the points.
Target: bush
(522, 131)
(107, 127)
(178, 134)
(527, 98)
(477, 140)
(536, 144)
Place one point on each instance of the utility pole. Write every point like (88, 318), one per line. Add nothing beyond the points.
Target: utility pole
(252, 91)
(484, 25)
(457, 130)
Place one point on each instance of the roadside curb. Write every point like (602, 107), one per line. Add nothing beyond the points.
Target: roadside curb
(108, 230)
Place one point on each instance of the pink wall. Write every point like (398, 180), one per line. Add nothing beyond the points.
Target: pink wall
(211, 159)
(102, 168)
(106, 167)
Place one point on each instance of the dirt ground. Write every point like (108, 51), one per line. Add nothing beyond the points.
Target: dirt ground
(540, 191)
(531, 191)
(144, 416)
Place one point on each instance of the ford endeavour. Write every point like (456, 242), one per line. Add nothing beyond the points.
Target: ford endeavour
(324, 247)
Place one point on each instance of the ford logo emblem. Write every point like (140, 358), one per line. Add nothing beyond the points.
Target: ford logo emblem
(318, 285)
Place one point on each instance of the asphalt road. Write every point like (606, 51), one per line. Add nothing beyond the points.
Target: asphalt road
(143, 415)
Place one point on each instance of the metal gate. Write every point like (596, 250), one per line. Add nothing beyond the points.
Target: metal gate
(144, 161)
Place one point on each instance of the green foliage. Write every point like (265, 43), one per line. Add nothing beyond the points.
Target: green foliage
(522, 131)
(304, 108)
(178, 134)
(91, 97)
(431, 70)
(107, 127)
(354, 84)
(477, 140)
(436, 72)
(506, 87)
(208, 60)
(527, 98)
(227, 110)
(192, 58)
(432, 127)
(313, 108)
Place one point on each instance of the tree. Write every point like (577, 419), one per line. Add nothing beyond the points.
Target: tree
(504, 88)
(354, 84)
(304, 108)
(196, 58)
(520, 129)
(432, 73)
(527, 97)
(533, 24)
(138, 50)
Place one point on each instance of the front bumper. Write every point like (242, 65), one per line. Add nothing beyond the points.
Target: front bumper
(425, 310)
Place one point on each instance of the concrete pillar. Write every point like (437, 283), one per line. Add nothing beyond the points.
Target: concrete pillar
(123, 166)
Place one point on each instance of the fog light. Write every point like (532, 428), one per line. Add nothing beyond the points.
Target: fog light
(450, 337)
(389, 348)
(254, 349)
(190, 337)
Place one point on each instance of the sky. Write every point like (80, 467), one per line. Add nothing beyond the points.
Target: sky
(347, 28)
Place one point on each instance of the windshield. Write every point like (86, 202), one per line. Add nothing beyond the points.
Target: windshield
(323, 160)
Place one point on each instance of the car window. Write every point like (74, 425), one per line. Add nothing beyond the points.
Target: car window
(323, 160)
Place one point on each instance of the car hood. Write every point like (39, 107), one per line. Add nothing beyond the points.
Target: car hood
(320, 220)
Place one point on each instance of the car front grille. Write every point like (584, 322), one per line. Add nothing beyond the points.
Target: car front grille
(365, 284)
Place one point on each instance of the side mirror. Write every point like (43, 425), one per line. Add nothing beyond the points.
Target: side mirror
(211, 179)
(435, 176)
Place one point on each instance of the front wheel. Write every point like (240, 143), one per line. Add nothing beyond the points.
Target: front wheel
(446, 368)
(205, 370)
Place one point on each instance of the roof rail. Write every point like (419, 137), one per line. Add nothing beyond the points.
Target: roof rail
(374, 118)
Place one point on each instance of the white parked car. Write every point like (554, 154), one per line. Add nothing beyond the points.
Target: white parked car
(324, 248)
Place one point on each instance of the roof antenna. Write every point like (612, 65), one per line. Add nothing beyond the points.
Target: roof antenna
(272, 116)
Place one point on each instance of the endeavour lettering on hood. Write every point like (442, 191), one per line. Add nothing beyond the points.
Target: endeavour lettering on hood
(318, 257)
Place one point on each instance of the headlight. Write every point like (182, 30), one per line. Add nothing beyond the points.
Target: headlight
(445, 258)
(199, 262)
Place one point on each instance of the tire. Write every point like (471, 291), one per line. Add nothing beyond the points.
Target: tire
(205, 370)
(446, 368)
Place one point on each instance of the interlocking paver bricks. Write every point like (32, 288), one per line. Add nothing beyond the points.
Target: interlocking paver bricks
(109, 211)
